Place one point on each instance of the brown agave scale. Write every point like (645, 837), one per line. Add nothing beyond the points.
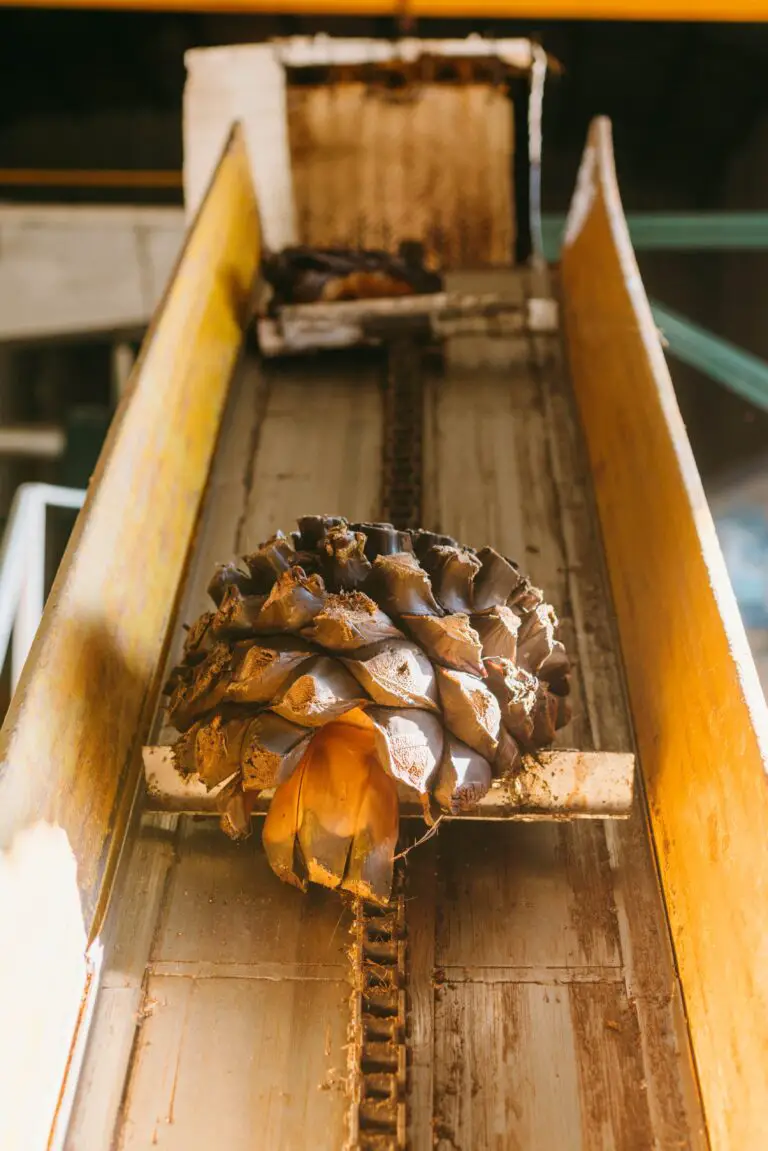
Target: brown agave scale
(344, 659)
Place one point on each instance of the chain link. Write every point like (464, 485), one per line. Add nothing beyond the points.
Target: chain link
(379, 1001)
(403, 434)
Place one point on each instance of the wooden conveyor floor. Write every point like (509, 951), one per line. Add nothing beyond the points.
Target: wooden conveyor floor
(545, 1010)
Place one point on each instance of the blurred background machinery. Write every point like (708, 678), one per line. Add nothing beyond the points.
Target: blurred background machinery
(91, 219)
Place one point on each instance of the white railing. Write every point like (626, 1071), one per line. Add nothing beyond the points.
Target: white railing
(22, 568)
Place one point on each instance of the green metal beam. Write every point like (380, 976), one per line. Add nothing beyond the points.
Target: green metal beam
(744, 374)
(740, 371)
(680, 231)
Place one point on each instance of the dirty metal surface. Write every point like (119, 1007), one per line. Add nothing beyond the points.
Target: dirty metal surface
(306, 327)
(372, 167)
(563, 784)
(542, 1007)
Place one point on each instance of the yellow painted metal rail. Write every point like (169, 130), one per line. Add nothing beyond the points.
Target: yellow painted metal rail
(70, 746)
(700, 716)
(694, 10)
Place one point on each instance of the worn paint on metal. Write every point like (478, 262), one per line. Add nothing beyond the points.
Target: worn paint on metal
(700, 715)
(69, 758)
(92, 667)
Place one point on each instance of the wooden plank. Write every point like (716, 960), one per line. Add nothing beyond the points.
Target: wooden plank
(151, 850)
(225, 907)
(534, 896)
(559, 785)
(577, 902)
(238, 1063)
(646, 947)
(420, 911)
(67, 781)
(700, 716)
(128, 936)
(538, 1067)
(325, 51)
(371, 169)
(289, 442)
(247, 83)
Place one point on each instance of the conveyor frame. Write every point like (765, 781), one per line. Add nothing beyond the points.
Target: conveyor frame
(67, 785)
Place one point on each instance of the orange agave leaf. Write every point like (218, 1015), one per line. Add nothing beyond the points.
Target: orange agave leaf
(372, 858)
(336, 769)
(280, 832)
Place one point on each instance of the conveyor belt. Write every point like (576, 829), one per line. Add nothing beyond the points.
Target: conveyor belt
(544, 1012)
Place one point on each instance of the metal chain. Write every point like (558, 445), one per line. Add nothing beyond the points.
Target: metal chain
(378, 1026)
(378, 1049)
(403, 434)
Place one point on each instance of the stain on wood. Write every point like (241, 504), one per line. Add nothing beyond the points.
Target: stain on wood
(611, 1077)
(373, 167)
(535, 1066)
(542, 905)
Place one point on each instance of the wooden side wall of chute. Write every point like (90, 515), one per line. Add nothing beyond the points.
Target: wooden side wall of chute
(70, 747)
(699, 714)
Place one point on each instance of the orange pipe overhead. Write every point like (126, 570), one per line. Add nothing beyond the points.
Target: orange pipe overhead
(667, 10)
(88, 178)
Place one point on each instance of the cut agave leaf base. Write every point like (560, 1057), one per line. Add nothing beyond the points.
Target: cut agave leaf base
(335, 820)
